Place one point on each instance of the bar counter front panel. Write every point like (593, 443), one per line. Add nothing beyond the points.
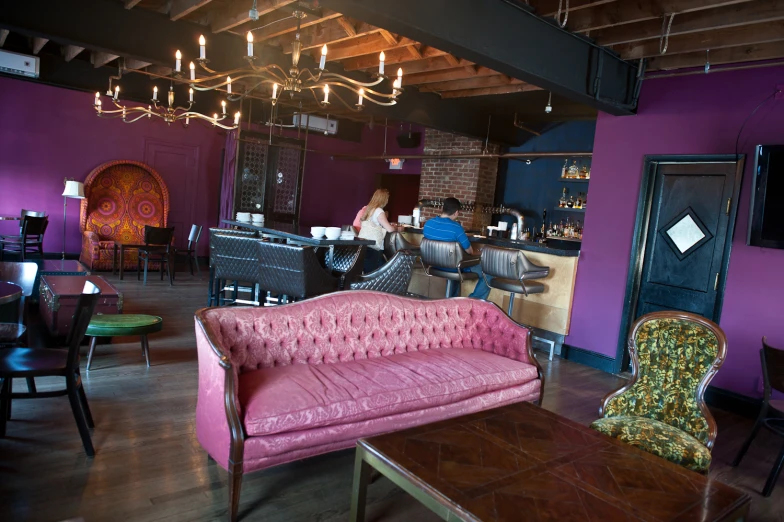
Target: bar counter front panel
(550, 310)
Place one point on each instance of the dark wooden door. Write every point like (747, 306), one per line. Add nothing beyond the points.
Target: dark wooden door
(284, 181)
(688, 230)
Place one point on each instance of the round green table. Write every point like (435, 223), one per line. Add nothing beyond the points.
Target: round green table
(111, 325)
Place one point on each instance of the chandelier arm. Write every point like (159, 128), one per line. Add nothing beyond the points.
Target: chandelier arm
(137, 118)
(353, 108)
(368, 94)
(352, 81)
(200, 116)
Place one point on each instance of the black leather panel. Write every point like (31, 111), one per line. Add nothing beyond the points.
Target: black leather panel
(392, 278)
(445, 254)
(512, 285)
(394, 242)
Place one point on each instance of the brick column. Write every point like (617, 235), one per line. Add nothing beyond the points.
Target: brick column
(469, 180)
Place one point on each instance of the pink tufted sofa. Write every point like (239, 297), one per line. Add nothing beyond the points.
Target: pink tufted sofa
(283, 383)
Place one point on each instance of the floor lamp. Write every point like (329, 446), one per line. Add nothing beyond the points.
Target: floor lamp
(73, 189)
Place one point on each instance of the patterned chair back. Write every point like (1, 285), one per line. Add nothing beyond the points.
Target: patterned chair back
(121, 197)
(674, 356)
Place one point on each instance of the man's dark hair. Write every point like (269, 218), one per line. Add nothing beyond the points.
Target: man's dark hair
(451, 205)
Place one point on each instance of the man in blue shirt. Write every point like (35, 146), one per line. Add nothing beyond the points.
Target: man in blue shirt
(445, 228)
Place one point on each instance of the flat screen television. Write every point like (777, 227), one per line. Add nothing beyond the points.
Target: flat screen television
(766, 215)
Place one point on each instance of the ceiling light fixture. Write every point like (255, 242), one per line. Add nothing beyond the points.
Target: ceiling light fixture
(169, 113)
(549, 107)
(321, 83)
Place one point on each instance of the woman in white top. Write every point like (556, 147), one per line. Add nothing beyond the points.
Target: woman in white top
(375, 226)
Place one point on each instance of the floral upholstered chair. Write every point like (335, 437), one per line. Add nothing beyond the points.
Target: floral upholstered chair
(661, 410)
(121, 197)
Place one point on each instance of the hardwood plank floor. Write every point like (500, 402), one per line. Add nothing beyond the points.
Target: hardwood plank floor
(150, 467)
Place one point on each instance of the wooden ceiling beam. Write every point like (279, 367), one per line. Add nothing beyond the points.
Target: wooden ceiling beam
(314, 37)
(437, 63)
(238, 13)
(286, 25)
(625, 12)
(134, 65)
(399, 55)
(495, 80)
(100, 58)
(415, 52)
(368, 44)
(3, 35)
(698, 21)
(549, 8)
(447, 75)
(490, 91)
(38, 43)
(347, 25)
(130, 4)
(743, 53)
(181, 8)
(389, 37)
(730, 37)
(70, 52)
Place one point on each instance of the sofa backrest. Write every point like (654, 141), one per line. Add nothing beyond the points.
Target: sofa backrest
(121, 197)
(345, 326)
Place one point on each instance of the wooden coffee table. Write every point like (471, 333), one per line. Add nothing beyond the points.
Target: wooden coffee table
(521, 462)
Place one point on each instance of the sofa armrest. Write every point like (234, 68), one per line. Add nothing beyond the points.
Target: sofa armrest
(218, 425)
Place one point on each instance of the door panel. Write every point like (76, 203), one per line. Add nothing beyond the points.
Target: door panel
(686, 236)
(178, 165)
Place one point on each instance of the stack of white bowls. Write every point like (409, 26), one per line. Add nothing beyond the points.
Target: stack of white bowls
(258, 219)
(317, 232)
(332, 232)
(244, 217)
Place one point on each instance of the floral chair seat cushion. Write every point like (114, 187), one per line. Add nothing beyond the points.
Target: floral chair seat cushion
(657, 438)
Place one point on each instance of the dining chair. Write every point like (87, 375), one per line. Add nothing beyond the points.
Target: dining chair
(157, 249)
(190, 251)
(292, 272)
(30, 238)
(13, 316)
(392, 278)
(214, 290)
(53, 362)
(772, 360)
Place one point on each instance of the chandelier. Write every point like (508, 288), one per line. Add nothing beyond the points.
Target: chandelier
(169, 113)
(320, 82)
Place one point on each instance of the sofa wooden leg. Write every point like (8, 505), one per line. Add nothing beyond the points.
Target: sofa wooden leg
(235, 487)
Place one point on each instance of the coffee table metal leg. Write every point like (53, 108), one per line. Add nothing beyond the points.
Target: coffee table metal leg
(359, 489)
(146, 349)
(122, 261)
(91, 352)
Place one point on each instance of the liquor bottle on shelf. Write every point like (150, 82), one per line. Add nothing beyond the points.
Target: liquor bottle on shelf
(584, 172)
(585, 200)
(565, 168)
(544, 220)
(579, 202)
(570, 203)
(562, 201)
(574, 171)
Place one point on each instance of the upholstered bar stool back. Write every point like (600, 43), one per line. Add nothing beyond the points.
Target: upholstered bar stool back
(394, 242)
(447, 259)
(292, 272)
(511, 271)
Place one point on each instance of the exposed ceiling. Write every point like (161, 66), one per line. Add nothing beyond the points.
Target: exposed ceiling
(466, 83)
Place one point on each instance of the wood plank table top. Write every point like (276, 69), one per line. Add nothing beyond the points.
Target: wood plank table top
(521, 462)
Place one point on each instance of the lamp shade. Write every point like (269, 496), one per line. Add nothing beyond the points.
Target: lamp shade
(74, 189)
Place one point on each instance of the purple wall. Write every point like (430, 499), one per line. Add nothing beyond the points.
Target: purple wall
(682, 115)
(50, 133)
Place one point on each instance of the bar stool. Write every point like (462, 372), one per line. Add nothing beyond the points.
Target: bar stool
(212, 297)
(447, 259)
(511, 271)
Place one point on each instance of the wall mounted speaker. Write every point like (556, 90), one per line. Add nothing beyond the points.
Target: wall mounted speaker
(409, 140)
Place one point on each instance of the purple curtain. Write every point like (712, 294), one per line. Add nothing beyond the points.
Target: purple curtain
(227, 183)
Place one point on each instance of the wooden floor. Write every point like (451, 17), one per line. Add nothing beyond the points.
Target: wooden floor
(149, 466)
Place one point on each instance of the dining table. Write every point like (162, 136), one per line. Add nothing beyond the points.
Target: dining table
(9, 292)
(300, 235)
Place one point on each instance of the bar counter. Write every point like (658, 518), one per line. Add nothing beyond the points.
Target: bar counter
(550, 310)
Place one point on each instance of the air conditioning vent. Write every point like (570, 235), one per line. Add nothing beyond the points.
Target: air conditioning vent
(316, 123)
(19, 64)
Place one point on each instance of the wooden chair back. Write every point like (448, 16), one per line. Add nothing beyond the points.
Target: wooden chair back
(158, 236)
(85, 306)
(772, 368)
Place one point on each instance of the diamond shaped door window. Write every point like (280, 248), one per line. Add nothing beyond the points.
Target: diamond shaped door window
(685, 233)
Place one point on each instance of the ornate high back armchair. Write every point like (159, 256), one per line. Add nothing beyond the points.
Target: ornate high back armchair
(121, 197)
(661, 409)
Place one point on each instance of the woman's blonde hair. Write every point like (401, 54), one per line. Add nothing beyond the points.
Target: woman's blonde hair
(379, 200)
